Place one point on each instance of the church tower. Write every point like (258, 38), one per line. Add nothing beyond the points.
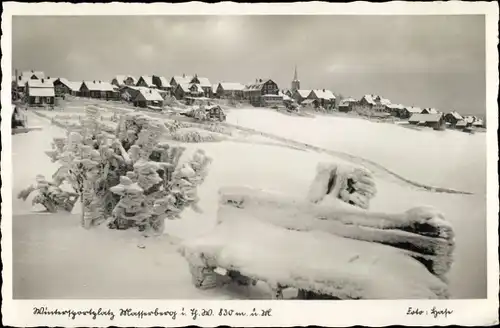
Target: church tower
(295, 82)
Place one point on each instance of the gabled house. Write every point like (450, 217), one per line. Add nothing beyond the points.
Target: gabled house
(63, 86)
(322, 98)
(148, 98)
(40, 92)
(33, 75)
(230, 90)
(345, 105)
(300, 95)
(162, 83)
(182, 79)
(453, 118)
(408, 111)
(254, 91)
(436, 121)
(204, 83)
(196, 90)
(146, 81)
(430, 111)
(181, 91)
(98, 90)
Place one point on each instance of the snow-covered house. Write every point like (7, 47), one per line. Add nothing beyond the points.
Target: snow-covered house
(322, 98)
(345, 105)
(182, 79)
(196, 90)
(408, 111)
(300, 95)
(181, 91)
(146, 98)
(254, 91)
(204, 83)
(65, 87)
(435, 121)
(453, 117)
(162, 83)
(122, 80)
(146, 81)
(430, 111)
(99, 90)
(40, 92)
(230, 90)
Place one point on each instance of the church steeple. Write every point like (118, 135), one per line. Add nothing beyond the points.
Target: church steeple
(296, 81)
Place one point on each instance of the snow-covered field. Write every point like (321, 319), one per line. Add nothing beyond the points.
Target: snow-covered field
(447, 159)
(55, 258)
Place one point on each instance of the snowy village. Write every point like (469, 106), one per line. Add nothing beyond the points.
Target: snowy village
(174, 185)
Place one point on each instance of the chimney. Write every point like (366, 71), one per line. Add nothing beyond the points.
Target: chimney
(42, 80)
(183, 75)
(94, 81)
(260, 80)
(32, 71)
(323, 90)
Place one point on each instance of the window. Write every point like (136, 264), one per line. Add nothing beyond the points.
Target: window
(37, 100)
(48, 100)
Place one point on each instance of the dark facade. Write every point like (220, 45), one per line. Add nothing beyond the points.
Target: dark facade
(254, 92)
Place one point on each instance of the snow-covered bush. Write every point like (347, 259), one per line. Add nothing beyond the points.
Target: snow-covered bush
(126, 178)
(195, 135)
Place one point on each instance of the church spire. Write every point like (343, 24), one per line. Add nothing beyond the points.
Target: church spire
(295, 75)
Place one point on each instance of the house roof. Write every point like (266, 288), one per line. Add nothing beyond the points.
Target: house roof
(230, 86)
(214, 88)
(307, 102)
(184, 87)
(430, 118)
(470, 118)
(395, 106)
(369, 99)
(456, 115)
(461, 123)
(149, 95)
(148, 79)
(183, 79)
(198, 87)
(256, 85)
(41, 89)
(99, 86)
(431, 110)
(73, 86)
(385, 101)
(163, 80)
(120, 79)
(40, 84)
(42, 92)
(324, 94)
(478, 122)
(303, 93)
(204, 82)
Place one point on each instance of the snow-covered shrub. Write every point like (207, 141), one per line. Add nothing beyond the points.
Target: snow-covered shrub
(195, 135)
(128, 179)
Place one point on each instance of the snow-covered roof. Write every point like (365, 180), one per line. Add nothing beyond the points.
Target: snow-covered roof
(479, 122)
(307, 102)
(324, 94)
(256, 85)
(214, 88)
(73, 86)
(303, 93)
(431, 110)
(414, 110)
(204, 82)
(456, 115)
(183, 79)
(99, 86)
(120, 79)
(470, 119)
(431, 118)
(163, 81)
(40, 84)
(385, 101)
(230, 86)
(148, 79)
(149, 95)
(369, 99)
(395, 106)
(184, 87)
(461, 123)
(197, 87)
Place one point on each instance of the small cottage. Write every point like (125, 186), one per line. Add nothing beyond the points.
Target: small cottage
(181, 91)
(407, 112)
(148, 98)
(146, 81)
(63, 87)
(322, 98)
(182, 79)
(436, 121)
(98, 90)
(300, 95)
(40, 92)
(204, 83)
(215, 113)
(227, 90)
(453, 118)
(430, 111)
(254, 92)
(162, 83)
(346, 105)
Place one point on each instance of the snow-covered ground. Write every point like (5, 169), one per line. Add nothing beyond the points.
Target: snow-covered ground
(55, 258)
(447, 159)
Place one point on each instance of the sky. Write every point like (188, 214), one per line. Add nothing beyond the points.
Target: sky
(424, 61)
